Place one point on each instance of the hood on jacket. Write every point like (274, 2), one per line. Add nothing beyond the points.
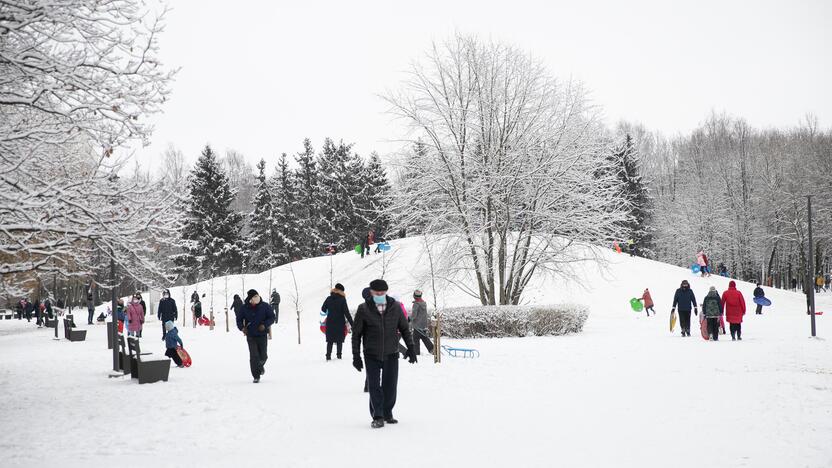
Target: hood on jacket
(339, 292)
(365, 293)
(732, 284)
(169, 325)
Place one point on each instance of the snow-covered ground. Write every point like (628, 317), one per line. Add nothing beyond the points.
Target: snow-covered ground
(625, 392)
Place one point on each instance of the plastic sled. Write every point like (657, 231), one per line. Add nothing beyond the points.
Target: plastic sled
(184, 356)
(762, 300)
(461, 352)
(636, 304)
(695, 268)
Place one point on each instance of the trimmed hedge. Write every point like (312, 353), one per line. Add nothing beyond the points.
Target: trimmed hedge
(509, 320)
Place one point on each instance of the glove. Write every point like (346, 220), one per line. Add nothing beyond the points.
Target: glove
(695, 311)
(261, 327)
(672, 310)
(356, 362)
(411, 356)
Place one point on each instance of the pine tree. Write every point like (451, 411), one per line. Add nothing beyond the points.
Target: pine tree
(286, 210)
(378, 196)
(211, 231)
(626, 160)
(262, 244)
(306, 185)
(341, 190)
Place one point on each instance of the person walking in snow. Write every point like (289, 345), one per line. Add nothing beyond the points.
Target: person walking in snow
(818, 283)
(420, 322)
(135, 317)
(172, 340)
(237, 306)
(337, 316)
(275, 303)
(196, 311)
(194, 297)
(90, 304)
(733, 305)
(254, 321)
(28, 308)
(647, 299)
(377, 324)
(758, 292)
(166, 311)
(711, 311)
(700, 260)
(685, 300)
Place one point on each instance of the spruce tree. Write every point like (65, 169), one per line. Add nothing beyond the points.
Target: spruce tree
(306, 185)
(263, 238)
(341, 189)
(211, 231)
(378, 196)
(286, 213)
(626, 160)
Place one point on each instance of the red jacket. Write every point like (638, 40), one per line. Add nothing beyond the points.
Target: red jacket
(648, 300)
(733, 304)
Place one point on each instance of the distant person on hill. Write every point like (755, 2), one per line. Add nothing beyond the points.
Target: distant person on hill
(275, 303)
(337, 316)
(166, 310)
(194, 297)
(648, 302)
(685, 300)
(758, 292)
(631, 247)
(733, 305)
(818, 283)
(711, 311)
(196, 311)
(237, 306)
(377, 324)
(90, 304)
(254, 321)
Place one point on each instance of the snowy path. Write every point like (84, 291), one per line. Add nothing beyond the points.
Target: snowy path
(625, 392)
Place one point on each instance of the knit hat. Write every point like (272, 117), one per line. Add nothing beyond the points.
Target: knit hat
(378, 285)
(417, 293)
(251, 293)
(169, 325)
(712, 288)
(339, 286)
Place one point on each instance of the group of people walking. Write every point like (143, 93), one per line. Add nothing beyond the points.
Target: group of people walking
(730, 304)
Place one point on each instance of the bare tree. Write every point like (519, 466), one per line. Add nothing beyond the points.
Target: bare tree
(518, 165)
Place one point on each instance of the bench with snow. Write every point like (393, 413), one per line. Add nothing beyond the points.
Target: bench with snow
(461, 352)
(6, 314)
(73, 335)
(51, 323)
(146, 371)
(123, 356)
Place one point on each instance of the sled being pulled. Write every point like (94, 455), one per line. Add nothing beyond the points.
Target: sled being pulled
(461, 352)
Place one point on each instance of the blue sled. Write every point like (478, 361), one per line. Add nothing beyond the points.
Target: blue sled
(461, 352)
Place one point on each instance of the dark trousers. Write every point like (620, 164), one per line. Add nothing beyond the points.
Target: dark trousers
(257, 353)
(684, 321)
(90, 314)
(382, 380)
(339, 347)
(649, 309)
(420, 336)
(171, 353)
(736, 330)
(163, 330)
(713, 328)
(759, 309)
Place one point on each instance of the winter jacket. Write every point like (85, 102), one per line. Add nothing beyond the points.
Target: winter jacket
(135, 317)
(252, 316)
(378, 331)
(712, 305)
(648, 299)
(194, 297)
(733, 304)
(120, 313)
(167, 310)
(197, 309)
(419, 319)
(758, 292)
(685, 299)
(237, 307)
(700, 259)
(338, 314)
(172, 338)
(144, 307)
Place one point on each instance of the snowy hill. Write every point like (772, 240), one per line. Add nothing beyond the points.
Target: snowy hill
(625, 392)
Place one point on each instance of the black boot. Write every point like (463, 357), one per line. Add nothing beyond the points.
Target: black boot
(377, 423)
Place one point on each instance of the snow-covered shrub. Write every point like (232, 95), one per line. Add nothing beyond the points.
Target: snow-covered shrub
(511, 320)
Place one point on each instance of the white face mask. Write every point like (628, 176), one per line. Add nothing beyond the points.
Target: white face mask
(135, 301)
(166, 296)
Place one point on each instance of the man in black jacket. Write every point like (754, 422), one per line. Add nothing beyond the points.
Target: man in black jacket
(377, 323)
(254, 321)
(167, 310)
(758, 292)
(684, 298)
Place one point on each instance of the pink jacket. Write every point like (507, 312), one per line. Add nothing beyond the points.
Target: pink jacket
(135, 315)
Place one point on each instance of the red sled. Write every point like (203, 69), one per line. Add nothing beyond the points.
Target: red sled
(323, 328)
(184, 356)
(203, 320)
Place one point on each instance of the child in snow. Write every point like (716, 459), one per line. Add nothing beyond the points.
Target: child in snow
(648, 302)
(711, 311)
(171, 341)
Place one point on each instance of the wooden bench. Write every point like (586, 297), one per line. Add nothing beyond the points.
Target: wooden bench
(123, 356)
(146, 371)
(51, 323)
(73, 335)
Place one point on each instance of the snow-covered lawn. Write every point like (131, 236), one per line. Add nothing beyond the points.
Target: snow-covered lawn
(625, 392)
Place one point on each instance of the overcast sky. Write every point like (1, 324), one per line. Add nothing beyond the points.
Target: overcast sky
(260, 76)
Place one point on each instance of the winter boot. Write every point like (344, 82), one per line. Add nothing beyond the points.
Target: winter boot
(391, 420)
(377, 423)
(256, 380)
